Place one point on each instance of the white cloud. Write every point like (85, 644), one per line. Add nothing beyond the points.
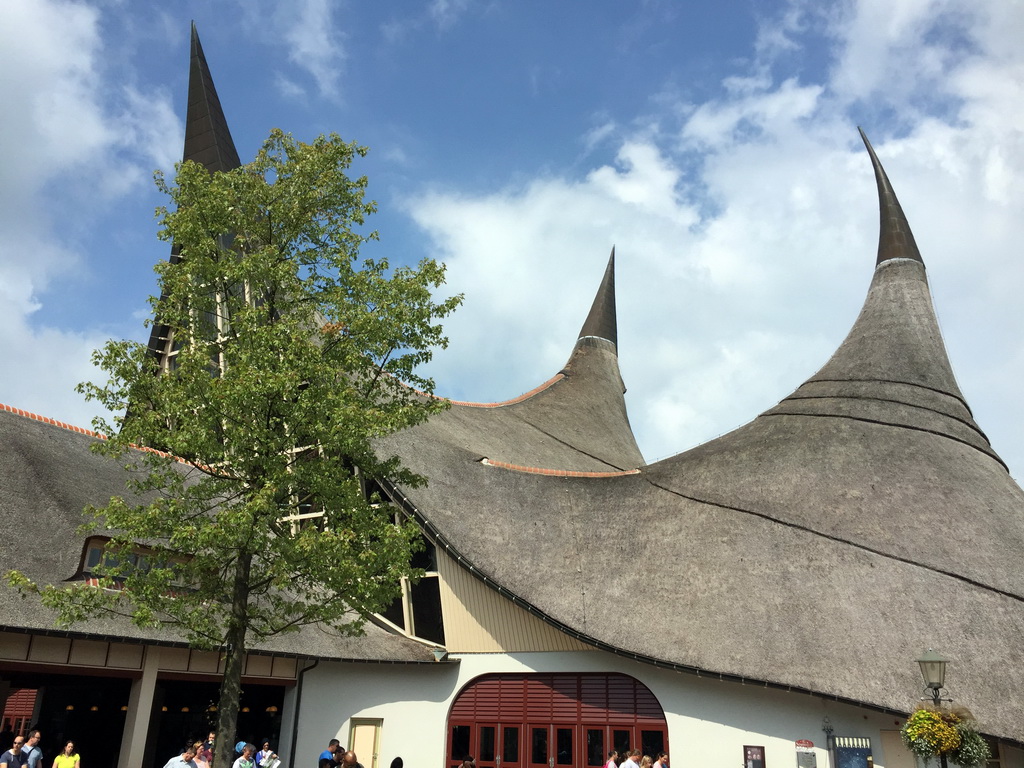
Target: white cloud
(315, 43)
(308, 29)
(288, 88)
(746, 244)
(446, 12)
(76, 143)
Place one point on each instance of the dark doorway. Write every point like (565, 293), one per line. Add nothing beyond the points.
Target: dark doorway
(89, 710)
(185, 710)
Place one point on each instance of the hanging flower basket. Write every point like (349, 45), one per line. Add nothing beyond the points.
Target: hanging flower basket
(931, 732)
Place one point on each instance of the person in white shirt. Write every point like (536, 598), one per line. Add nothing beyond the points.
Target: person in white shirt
(186, 759)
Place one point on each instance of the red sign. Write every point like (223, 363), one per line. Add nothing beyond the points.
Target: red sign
(804, 743)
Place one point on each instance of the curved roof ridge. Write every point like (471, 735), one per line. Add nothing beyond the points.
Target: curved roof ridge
(525, 396)
(52, 422)
(554, 472)
(836, 537)
(875, 380)
(82, 431)
(601, 321)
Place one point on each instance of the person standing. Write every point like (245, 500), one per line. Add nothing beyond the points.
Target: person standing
(630, 761)
(612, 757)
(68, 758)
(245, 759)
(12, 758)
(265, 755)
(206, 749)
(350, 761)
(31, 754)
(326, 759)
(200, 759)
(186, 759)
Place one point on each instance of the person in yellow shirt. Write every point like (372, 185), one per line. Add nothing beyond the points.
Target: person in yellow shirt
(68, 758)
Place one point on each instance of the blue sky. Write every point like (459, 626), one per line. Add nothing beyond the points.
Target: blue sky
(714, 145)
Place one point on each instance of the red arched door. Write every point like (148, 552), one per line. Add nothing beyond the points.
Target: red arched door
(553, 721)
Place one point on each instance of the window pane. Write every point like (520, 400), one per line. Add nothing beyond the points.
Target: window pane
(539, 745)
(620, 740)
(595, 746)
(426, 609)
(652, 742)
(563, 737)
(460, 742)
(394, 613)
(510, 753)
(753, 757)
(487, 743)
(93, 557)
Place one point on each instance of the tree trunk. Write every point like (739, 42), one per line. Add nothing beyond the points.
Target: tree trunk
(234, 657)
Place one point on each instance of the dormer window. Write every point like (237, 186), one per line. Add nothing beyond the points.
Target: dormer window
(96, 550)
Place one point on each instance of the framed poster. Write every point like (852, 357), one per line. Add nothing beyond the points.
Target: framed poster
(753, 757)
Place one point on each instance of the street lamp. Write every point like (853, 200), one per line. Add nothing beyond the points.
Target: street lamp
(933, 670)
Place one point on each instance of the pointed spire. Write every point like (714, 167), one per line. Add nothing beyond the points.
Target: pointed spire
(895, 240)
(601, 320)
(207, 142)
(207, 138)
(892, 369)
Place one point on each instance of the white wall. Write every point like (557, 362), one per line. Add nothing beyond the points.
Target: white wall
(709, 720)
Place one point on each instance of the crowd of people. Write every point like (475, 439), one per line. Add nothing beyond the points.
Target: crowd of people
(337, 755)
(633, 758)
(199, 754)
(25, 753)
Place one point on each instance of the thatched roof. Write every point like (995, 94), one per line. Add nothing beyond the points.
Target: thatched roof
(48, 475)
(575, 421)
(822, 546)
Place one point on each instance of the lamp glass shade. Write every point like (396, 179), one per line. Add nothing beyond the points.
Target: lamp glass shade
(933, 669)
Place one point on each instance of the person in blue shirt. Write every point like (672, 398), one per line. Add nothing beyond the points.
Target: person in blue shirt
(31, 755)
(327, 756)
(12, 758)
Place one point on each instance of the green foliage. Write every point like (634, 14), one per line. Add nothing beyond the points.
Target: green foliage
(973, 749)
(293, 356)
(930, 732)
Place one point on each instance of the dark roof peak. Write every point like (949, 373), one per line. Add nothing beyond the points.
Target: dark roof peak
(601, 320)
(895, 240)
(207, 138)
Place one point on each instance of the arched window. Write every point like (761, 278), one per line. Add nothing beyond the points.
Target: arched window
(552, 720)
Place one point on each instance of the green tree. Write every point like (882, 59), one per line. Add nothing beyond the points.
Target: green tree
(292, 356)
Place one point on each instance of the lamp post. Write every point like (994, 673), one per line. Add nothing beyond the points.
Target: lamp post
(826, 726)
(933, 670)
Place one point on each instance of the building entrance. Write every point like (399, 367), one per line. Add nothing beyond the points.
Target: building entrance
(552, 721)
(89, 710)
(185, 710)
